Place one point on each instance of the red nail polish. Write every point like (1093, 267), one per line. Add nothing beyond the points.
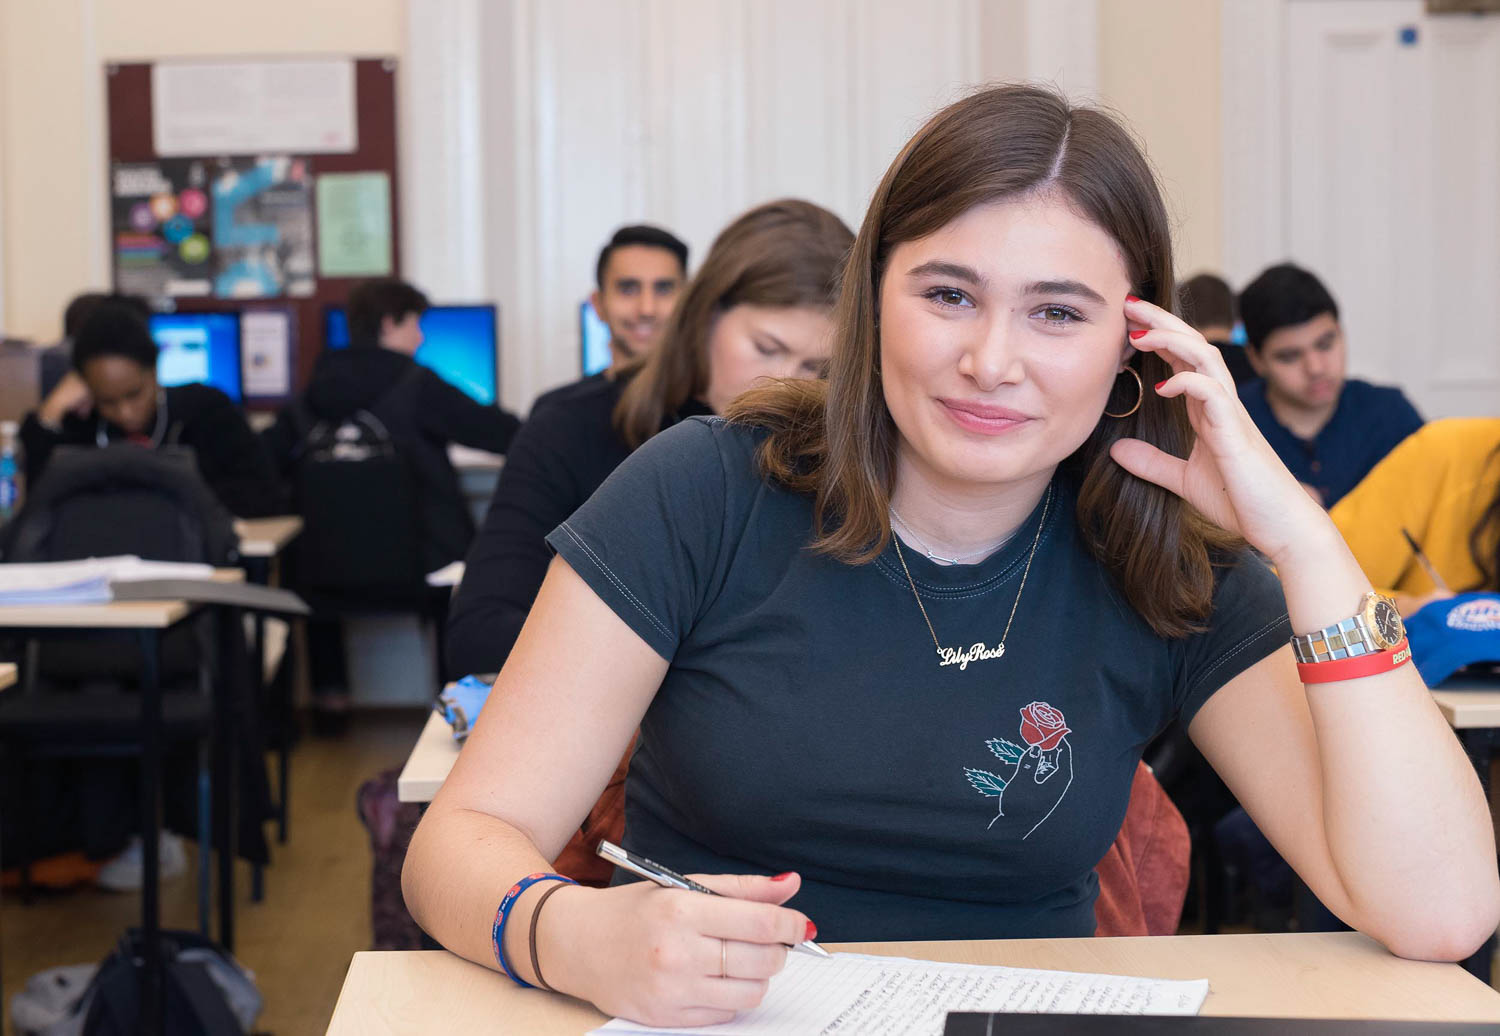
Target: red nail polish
(812, 932)
(1159, 384)
(781, 877)
(1131, 298)
(1140, 332)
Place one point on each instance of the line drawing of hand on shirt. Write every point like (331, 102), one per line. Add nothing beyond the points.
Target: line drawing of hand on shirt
(1036, 777)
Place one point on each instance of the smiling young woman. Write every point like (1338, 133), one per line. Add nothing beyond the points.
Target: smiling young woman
(931, 733)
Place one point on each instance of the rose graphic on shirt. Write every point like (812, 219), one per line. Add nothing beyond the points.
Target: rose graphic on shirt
(1034, 778)
(1042, 726)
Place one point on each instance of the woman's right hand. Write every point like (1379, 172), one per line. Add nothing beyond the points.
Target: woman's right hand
(653, 955)
(69, 396)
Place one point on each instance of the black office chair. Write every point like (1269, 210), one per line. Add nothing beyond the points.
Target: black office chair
(360, 551)
(77, 697)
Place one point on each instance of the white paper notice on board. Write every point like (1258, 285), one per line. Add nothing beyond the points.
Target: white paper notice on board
(266, 352)
(253, 107)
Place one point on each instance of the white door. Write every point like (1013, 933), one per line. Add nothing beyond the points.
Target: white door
(1391, 186)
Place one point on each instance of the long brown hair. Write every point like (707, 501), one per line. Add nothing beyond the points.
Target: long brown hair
(783, 254)
(838, 441)
(1484, 540)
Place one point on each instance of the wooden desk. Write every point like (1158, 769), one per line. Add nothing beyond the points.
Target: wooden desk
(149, 620)
(1469, 703)
(7, 675)
(266, 537)
(261, 541)
(1333, 975)
(429, 763)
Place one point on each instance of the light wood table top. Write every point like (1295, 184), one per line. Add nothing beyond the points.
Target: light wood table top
(1469, 703)
(428, 765)
(1332, 975)
(7, 675)
(136, 615)
(266, 537)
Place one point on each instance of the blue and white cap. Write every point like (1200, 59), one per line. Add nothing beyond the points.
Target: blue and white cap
(1448, 635)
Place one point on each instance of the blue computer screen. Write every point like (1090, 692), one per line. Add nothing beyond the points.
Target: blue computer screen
(593, 334)
(458, 345)
(199, 348)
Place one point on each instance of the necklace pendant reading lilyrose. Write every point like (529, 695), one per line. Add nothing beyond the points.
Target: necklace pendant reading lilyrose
(961, 657)
(979, 651)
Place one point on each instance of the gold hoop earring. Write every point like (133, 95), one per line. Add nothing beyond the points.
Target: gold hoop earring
(1140, 394)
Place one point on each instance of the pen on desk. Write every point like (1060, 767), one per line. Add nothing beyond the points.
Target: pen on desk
(669, 879)
(1432, 572)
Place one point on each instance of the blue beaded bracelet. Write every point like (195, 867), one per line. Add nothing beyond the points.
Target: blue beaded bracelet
(497, 933)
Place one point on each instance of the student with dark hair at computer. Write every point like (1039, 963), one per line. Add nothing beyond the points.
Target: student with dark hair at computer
(57, 360)
(422, 412)
(1208, 305)
(1329, 430)
(112, 395)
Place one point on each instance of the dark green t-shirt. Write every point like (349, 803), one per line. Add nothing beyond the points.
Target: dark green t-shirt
(805, 723)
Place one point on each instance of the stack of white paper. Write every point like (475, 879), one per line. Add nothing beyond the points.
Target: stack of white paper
(857, 995)
(450, 574)
(87, 581)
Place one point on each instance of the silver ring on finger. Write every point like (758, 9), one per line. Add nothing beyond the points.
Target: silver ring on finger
(723, 958)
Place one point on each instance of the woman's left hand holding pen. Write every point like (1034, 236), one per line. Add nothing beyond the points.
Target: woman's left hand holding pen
(672, 957)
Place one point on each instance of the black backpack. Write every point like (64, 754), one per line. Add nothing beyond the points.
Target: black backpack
(122, 499)
(356, 493)
(207, 992)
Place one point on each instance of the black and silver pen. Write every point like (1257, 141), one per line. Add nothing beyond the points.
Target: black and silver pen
(1422, 559)
(670, 879)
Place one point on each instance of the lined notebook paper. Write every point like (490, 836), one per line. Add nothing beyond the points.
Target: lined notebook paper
(857, 995)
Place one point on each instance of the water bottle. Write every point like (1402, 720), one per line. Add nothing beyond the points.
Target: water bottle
(10, 489)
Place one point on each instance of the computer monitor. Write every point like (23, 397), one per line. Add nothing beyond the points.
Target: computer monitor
(458, 345)
(199, 348)
(593, 336)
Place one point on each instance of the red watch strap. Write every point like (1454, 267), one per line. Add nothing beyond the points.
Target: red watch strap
(1354, 668)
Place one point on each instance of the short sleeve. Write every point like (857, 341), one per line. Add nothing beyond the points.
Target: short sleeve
(647, 542)
(1249, 622)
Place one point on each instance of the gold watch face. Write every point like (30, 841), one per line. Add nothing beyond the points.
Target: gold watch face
(1384, 621)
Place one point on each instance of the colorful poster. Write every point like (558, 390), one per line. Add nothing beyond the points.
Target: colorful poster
(354, 225)
(262, 228)
(160, 228)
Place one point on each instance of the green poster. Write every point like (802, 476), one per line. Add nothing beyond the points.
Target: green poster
(354, 225)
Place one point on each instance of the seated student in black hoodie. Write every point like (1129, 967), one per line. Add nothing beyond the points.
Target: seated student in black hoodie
(422, 412)
(111, 395)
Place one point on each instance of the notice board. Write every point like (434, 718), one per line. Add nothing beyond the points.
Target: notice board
(291, 229)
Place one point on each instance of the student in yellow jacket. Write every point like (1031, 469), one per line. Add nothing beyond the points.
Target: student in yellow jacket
(1442, 485)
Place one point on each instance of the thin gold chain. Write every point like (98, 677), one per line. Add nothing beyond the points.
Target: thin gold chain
(1046, 506)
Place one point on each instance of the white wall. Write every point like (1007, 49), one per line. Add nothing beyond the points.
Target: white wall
(594, 113)
(685, 114)
(587, 114)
